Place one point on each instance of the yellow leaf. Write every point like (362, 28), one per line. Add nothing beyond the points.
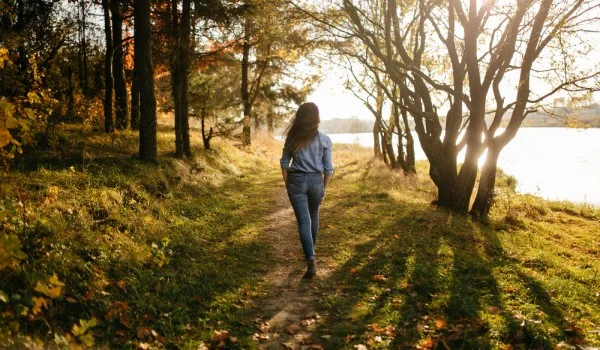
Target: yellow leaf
(54, 280)
(30, 113)
(7, 107)
(77, 331)
(38, 302)
(5, 136)
(87, 339)
(33, 97)
(52, 291)
(11, 122)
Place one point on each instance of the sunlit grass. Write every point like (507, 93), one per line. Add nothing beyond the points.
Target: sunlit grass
(177, 247)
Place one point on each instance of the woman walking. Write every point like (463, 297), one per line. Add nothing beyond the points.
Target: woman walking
(306, 179)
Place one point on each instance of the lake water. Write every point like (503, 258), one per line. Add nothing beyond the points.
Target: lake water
(554, 163)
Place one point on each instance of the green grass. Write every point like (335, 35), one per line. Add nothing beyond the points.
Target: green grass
(166, 254)
(171, 247)
(407, 274)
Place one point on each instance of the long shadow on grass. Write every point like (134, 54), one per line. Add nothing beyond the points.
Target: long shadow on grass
(183, 281)
(410, 276)
(215, 258)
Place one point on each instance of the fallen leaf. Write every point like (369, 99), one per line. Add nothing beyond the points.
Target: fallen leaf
(360, 347)
(440, 324)
(353, 270)
(122, 285)
(312, 315)
(379, 278)
(143, 332)
(427, 343)
(288, 345)
(144, 346)
(202, 346)
(293, 329)
(124, 320)
(219, 336)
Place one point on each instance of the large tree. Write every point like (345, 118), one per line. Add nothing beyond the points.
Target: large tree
(449, 58)
(118, 70)
(108, 74)
(180, 66)
(145, 76)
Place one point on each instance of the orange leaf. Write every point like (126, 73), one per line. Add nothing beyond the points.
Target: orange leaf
(441, 324)
(353, 270)
(427, 343)
(143, 332)
(124, 320)
(379, 278)
(122, 285)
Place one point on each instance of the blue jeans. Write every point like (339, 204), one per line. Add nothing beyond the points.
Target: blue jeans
(306, 191)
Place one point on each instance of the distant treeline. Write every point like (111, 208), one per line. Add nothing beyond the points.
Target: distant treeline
(557, 117)
(346, 126)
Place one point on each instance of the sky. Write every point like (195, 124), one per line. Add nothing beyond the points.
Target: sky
(334, 101)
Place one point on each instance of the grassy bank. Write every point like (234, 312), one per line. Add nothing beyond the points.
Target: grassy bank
(407, 274)
(149, 254)
(121, 253)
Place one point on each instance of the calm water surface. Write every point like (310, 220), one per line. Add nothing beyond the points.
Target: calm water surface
(554, 163)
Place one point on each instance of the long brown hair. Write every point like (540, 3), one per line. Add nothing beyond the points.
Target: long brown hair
(303, 127)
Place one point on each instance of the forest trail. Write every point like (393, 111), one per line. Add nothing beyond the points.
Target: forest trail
(288, 315)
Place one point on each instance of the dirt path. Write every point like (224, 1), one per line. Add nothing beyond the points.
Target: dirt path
(288, 317)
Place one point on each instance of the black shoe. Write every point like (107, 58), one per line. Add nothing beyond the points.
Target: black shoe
(311, 269)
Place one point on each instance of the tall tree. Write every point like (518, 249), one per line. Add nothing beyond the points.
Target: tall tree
(108, 76)
(118, 70)
(83, 56)
(145, 70)
(245, 86)
(452, 57)
(180, 69)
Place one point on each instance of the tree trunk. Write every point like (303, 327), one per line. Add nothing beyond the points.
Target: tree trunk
(118, 68)
(246, 137)
(205, 138)
(84, 50)
(401, 159)
(270, 123)
(108, 78)
(376, 143)
(176, 79)
(180, 78)
(143, 65)
(410, 146)
(389, 149)
(135, 100)
(256, 122)
(485, 192)
(185, 65)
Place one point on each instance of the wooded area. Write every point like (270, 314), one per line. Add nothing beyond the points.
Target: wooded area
(83, 81)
